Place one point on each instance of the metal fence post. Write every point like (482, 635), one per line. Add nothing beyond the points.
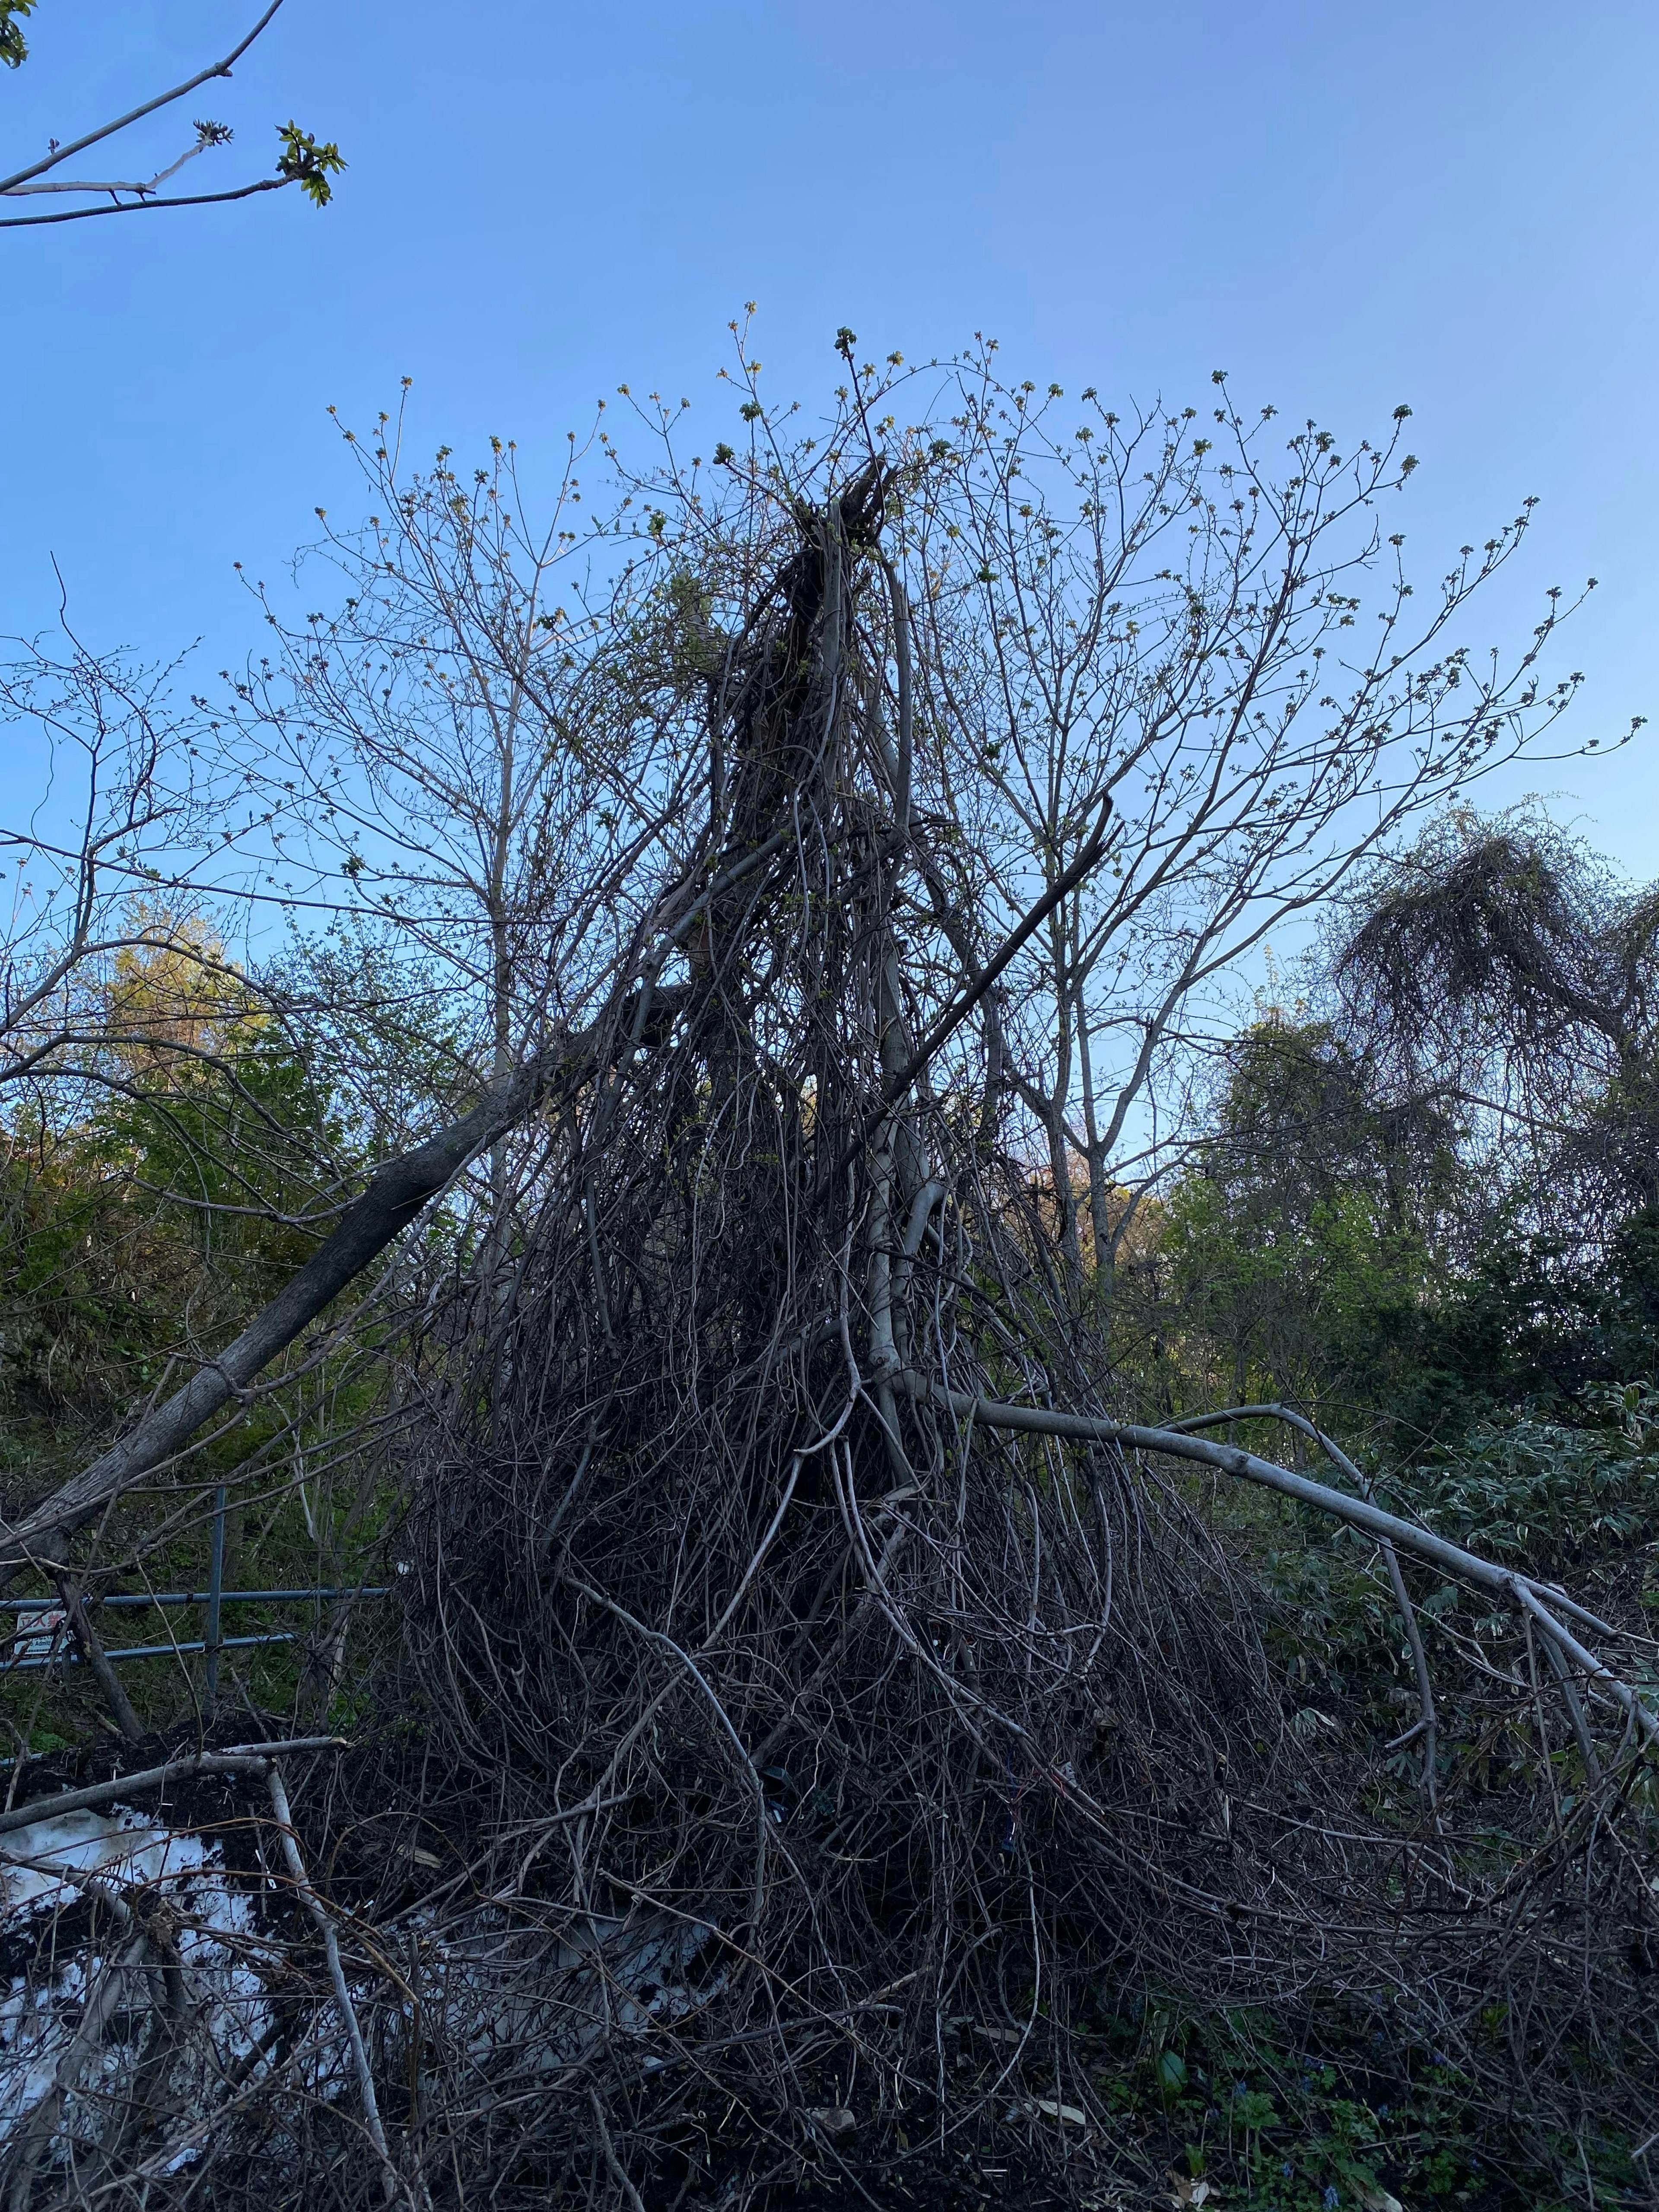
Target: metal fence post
(216, 1593)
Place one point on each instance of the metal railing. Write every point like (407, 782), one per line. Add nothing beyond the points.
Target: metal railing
(43, 1637)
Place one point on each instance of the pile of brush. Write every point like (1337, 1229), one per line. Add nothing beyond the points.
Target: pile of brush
(809, 1693)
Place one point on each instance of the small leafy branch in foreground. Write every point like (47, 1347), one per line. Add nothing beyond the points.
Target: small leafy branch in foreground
(305, 160)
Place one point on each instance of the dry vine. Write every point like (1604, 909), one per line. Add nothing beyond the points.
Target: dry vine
(810, 1686)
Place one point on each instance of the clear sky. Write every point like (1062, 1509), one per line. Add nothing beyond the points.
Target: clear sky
(1343, 202)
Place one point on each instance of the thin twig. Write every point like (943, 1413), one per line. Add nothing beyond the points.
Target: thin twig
(137, 114)
(325, 1925)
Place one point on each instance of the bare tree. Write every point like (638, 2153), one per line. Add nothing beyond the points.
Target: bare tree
(1112, 646)
(478, 760)
(810, 1661)
(128, 831)
(1143, 610)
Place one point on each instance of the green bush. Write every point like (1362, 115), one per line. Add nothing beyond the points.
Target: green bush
(1547, 1494)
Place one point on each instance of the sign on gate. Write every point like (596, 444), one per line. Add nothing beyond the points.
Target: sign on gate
(40, 1633)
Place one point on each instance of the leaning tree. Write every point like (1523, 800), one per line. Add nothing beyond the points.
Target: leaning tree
(810, 1676)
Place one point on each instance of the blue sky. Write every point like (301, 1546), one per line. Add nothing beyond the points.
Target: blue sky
(1344, 205)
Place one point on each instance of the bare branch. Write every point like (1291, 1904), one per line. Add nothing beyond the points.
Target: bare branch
(61, 153)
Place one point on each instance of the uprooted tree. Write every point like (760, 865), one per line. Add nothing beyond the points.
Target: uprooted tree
(833, 865)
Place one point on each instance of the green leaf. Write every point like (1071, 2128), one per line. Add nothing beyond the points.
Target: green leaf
(305, 163)
(13, 49)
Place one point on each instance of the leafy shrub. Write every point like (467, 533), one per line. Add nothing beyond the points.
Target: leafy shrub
(1546, 1493)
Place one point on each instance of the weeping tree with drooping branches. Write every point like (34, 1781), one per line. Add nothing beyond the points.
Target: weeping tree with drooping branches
(805, 1648)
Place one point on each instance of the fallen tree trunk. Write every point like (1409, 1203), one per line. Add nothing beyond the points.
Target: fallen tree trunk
(1521, 1590)
(398, 1192)
(238, 1758)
